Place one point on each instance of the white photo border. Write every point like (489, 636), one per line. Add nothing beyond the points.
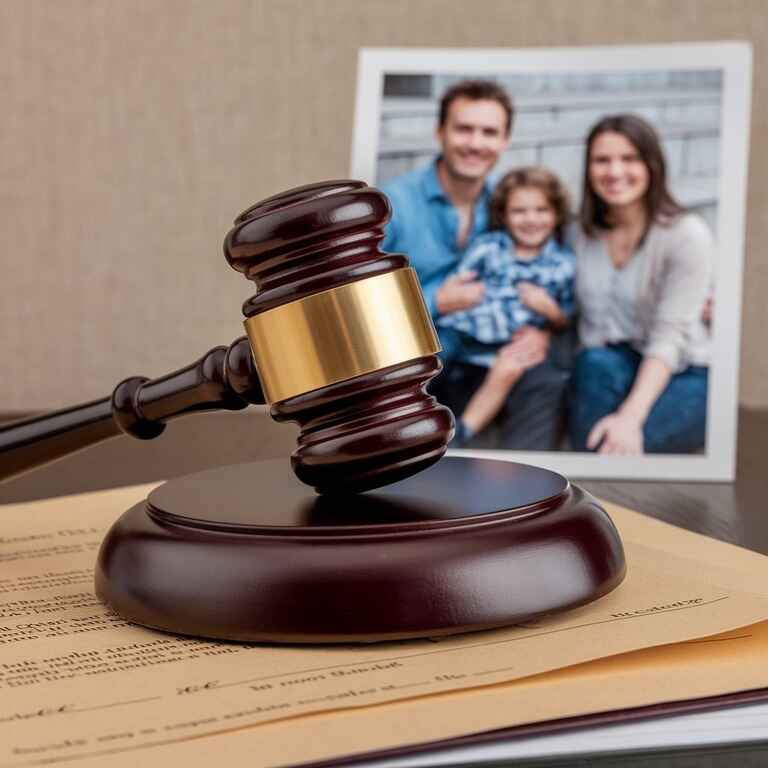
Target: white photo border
(734, 59)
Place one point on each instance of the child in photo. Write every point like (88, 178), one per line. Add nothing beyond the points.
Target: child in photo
(528, 273)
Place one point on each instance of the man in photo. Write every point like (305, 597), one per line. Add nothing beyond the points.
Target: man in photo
(438, 211)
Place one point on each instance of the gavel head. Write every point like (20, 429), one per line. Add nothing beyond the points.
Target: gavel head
(340, 335)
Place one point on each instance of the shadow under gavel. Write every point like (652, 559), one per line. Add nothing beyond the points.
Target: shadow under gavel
(339, 341)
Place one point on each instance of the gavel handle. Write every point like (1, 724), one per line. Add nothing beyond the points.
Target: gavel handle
(224, 378)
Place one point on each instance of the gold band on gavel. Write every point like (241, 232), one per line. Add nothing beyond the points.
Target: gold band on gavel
(340, 333)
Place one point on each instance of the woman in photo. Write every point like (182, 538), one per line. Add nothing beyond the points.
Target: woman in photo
(643, 269)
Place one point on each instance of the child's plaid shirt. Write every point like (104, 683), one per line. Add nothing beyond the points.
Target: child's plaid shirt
(500, 313)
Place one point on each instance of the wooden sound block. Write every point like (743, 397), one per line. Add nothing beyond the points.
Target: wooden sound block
(247, 552)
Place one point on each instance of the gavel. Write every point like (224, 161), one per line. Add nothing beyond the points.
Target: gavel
(338, 340)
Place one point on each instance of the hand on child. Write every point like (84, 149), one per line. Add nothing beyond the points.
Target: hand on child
(528, 348)
(537, 299)
(618, 434)
(507, 368)
(513, 359)
(531, 342)
(460, 291)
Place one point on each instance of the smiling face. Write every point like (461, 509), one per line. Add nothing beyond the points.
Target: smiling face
(530, 218)
(617, 173)
(472, 137)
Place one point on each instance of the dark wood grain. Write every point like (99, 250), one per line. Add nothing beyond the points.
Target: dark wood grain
(35, 440)
(368, 431)
(310, 239)
(357, 434)
(248, 553)
(372, 429)
(192, 444)
(223, 379)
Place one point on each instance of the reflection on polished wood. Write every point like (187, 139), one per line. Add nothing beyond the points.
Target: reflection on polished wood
(732, 512)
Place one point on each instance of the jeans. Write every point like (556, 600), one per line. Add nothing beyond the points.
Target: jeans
(601, 380)
(532, 419)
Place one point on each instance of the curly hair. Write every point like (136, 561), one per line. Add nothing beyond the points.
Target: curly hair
(539, 178)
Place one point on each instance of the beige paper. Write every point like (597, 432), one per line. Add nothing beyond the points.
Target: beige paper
(724, 663)
(77, 681)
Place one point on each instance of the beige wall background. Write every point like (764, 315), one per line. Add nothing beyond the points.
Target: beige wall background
(132, 133)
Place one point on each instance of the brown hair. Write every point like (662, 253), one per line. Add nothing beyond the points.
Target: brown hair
(538, 178)
(476, 90)
(659, 203)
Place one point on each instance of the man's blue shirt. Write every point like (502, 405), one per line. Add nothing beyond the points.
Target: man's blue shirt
(425, 226)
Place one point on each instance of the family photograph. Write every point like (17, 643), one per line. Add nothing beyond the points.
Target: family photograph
(570, 276)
